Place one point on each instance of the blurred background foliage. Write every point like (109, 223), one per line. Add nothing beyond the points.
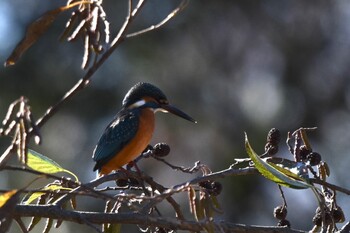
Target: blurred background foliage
(234, 66)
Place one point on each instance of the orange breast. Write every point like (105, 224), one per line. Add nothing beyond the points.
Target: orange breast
(136, 146)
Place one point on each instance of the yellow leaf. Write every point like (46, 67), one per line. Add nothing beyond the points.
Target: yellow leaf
(36, 195)
(7, 196)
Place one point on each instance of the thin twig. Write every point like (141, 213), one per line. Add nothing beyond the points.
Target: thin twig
(79, 187)
(345, 228)
(213, 176)
(177, 10)
(331, 186)
(83, 82)
(282, 195)
(189, 170)
(161, 189)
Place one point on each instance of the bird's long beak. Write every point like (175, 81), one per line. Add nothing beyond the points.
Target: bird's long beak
(177, 112)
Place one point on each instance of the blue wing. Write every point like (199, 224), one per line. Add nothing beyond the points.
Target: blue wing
(117, 134)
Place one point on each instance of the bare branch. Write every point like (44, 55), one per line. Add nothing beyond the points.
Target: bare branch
(54, 212)
(181, 187)
(331, 186)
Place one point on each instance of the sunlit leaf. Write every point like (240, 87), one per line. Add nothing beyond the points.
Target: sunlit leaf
(41, 163)
(4, 198)
(323, 170)
(191, 199)
(58, 223)
(294, 170)
(196, 207)
(38, 194)
(199, 207)
(8, 202)
(216, 205)
(35, 30)
(35, 220)
(207, 205)
(48, 225)
(111, 207)
(278, 175)
(73, 202)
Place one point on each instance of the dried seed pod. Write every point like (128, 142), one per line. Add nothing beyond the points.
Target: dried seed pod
(161, 149)
(271, 149)
(280, 212)
(273, 139)
(216, 188)
(338, 215)
(314, 158)
(274, 136)
(303, 152)
(283, 223)
(133, 182)
(122, 182)
(205, 184)
(317, 219)
(213, 188)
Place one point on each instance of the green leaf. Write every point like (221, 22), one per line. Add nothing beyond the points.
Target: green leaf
(274, 172)
(36, 195)
(41, 163)
(288, 171)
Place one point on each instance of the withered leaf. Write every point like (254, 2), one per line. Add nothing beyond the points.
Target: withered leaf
(35, 30)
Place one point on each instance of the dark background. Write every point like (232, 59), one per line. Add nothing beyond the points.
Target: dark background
(234, 66)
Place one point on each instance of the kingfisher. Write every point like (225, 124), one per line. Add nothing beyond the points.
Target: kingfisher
(130, 132)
